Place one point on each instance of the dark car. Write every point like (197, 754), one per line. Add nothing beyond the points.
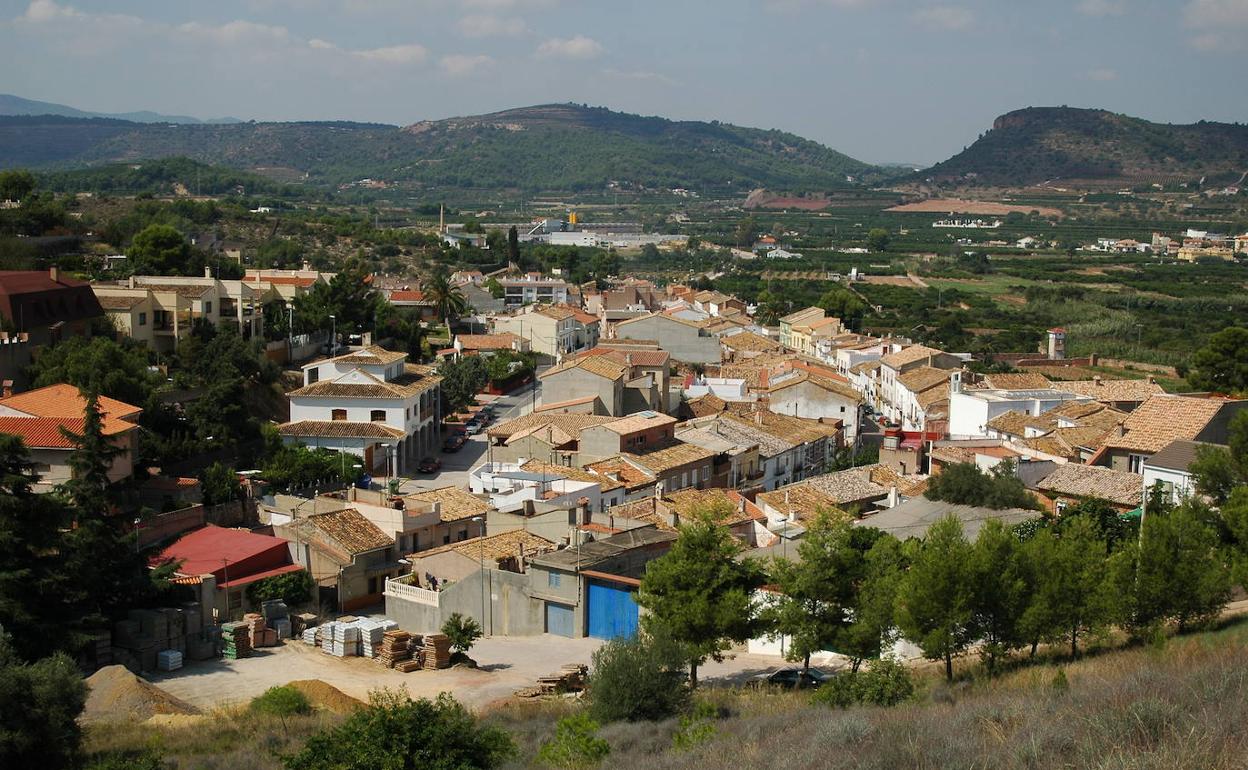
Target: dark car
(454, 443)
(793, 678)
(429, 465)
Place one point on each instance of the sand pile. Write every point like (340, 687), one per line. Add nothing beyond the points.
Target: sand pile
(326, 696)
(117, 695)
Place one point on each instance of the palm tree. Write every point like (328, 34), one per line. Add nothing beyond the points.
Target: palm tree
(446, 297)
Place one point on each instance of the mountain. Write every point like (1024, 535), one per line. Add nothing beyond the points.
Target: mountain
(562, 147)
(16, 105)
(1039, 144)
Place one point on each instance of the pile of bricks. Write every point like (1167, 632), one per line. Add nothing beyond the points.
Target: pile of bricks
(261, 635)
(236, 641)
(437, 650)
(395, 648)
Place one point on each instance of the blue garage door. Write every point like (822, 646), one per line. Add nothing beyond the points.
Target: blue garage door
(559, 619)
(612, 612)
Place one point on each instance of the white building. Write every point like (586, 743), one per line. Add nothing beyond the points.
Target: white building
(1169, 468)
(510, 485)
(370, 403)
(971, 410)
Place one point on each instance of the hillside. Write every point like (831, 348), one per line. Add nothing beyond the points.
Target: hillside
(1042, 144)
(16, 105)
(550, 147)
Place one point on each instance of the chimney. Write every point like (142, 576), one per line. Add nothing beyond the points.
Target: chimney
(207, 271)
(1096, 380)
(1151, 379)
(758, 416)
(1120, 430)
(54, 273)
(7, 387)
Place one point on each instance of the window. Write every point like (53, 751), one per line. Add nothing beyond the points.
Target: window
(554, 579)
(446, 538)
(1135, 463)
(142, 319)
(314, 375)
(208, 306)
(463, 534)
(372, 585)
(338, 414)
(377, 415)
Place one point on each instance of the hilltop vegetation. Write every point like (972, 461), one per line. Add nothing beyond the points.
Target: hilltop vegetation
(1038, 144)
(551, 147)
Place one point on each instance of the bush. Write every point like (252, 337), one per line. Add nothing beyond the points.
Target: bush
(885, 683)
(633, 680)
(575, 744)
(284, 701)
(462, 632)
(292, 588)
(398, 733)
(696, 727)
(141, 759)
(39, 707)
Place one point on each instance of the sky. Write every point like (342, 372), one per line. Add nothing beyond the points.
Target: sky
(882, 80)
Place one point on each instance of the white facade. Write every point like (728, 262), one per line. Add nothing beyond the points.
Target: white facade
(970, 411)
(509, 486)
(1179, 485)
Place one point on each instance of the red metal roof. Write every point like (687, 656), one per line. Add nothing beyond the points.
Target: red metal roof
(213, 548)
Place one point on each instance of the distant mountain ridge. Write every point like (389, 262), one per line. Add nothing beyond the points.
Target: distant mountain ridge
(556, 147)
(16, 105)
(1040, 144)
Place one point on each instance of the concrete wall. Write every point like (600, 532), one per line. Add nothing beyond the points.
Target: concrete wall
(577, 383)
(509, 610)
(813, 402)
(684, 342)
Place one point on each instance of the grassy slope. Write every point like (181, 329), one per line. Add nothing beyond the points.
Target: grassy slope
(1179, 706)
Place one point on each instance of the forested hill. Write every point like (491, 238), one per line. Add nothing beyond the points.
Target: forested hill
(1040, 144)
(551, 147)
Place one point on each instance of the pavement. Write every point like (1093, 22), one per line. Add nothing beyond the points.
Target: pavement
(505, 664)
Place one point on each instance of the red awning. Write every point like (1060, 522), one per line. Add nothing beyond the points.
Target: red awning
(283, 570)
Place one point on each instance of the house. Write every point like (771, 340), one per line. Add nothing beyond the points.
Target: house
(412, 525)
(40, 308)
(673, 464)
(38, 417)
(510, 486)
(715, 303)
(1074, 430)
(809, 331)
(745, 520)
(415, 301)
(734, 465)
(971, 411)
(803, 393)
(1171, 468)
(1124, 395)
(648, 381)
(800, 317)
(549, 436)
(461, 515)
(454, 562)
(914, 517)
(553, 330)
(220, 563)
(370, 403)
(897, 398)
(1071, 484)
(744, 345)
(175, 303)
(599, 376)
(686, 341)
(486, 344)
(345, 552)
(1163, 419)
(634, 433)
(856, 490)
(789, 448)
(533, 288)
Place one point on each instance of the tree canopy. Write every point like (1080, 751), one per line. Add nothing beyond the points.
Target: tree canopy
(1222, 364)
(966, 484)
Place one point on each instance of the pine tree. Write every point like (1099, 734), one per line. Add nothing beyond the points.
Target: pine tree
(1002, 591)
(1068, 565)
(935, 598)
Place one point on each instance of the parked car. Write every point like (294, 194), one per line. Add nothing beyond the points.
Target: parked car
(792, 678)
(474, 427)
(429, 465)
(454, 443)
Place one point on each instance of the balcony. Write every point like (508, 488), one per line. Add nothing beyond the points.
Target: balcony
(401, 589)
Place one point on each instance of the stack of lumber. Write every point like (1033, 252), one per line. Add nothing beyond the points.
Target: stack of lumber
(261, 636)
(570, 678)
(437, 649)
(395, 648)
(236, 641)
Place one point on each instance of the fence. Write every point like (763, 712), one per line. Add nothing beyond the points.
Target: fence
(166, 525)
(412, 593)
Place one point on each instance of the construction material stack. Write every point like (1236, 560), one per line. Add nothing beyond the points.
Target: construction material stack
(437, 650)
(346, 640)
(169, 660)
(236, 640)
(395, 648)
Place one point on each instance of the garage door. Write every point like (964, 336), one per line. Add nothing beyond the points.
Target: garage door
(612, 612)
(559, 619)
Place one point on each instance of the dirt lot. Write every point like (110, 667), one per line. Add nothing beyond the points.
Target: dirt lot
(506, 665)
(960, 206)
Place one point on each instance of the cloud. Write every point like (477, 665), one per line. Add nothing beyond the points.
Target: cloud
(1102, 75)
(640, 75)
(460, 65)
(395, 54)
(578, 47)
(46, 10)
(1101, 8)
(947, 17)
(1219, 25)
(486, 25)
(496, 5)
(235, 32)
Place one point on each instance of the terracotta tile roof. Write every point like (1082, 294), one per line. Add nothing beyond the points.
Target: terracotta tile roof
(801, 315)
(633, 477)
(908, 356)
(570, 423)
(744, 433)
(1112, 390)
(120, 301)
(706, 405)
(794, 430)
(564, 404)
(749, 341)
(501, 341)
(1012, 422)
(373, 354)
(281, 280)
(45, 432)
(648, 358)
(832, 386)
(407, 296)
(933, 396)
(63, 400)
(598, 365)
(339, 429)
(855, 484)
(798, 500)
(494, 547)
(1093, 481)
(416, 379)
(638, 421)
(669, 455)
(574, 474)
(457, 504)
(351, 530)
(1162, 419)
(923, 378)
(557, 312)
(687, 502)
(643, 511)
(865, 366)
(189, 290)
(585, 318)
(1017, 381)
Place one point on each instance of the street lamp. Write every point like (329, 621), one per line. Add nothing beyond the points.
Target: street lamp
(481, 561)
(333, 335)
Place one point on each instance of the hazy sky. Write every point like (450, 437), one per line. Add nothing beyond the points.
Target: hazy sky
(882, 80)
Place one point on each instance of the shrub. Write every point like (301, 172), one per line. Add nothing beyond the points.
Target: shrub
(284, 701)
(575, 744)
(398, 733)
(886, 683)
(39, 706)
(292, 588)
(633, 680)
(141, 759)
(696, 727)
(462, 632)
